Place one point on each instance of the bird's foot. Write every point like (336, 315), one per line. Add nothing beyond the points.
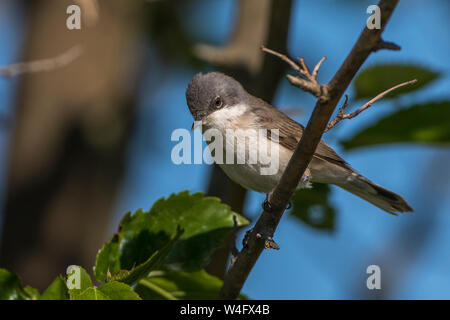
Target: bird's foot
(267, 206)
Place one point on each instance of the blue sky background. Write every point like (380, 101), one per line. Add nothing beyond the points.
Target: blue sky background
(310, 264)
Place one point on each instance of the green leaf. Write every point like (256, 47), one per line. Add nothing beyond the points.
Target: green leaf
(141, 271)
(424, 123)
(32, 293)
(205, 222)
(374, 80)
(110, 291)
(108, 259)
(81, 288)
(11, 287)
(174, 285)
(57, 290)
(311, 206)
(78, 280)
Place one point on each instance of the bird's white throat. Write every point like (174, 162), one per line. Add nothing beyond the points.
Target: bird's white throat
(225, 118)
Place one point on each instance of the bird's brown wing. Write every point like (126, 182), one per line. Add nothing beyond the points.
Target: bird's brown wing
(290, 132)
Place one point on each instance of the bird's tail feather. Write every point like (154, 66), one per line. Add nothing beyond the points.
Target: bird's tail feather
(375, 194)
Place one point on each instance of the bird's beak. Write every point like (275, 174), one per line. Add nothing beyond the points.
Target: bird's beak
(196, 124)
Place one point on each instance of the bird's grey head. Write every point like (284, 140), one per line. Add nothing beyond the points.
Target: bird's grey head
(212, 91)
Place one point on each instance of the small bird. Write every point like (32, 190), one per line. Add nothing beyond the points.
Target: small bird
(221, 103)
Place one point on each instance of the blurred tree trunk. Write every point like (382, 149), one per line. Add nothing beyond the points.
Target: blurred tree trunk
(71, 129)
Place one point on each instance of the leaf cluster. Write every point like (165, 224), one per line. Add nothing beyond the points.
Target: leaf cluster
(156, 254)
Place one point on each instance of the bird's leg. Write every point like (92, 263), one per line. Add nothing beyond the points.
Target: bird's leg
(245, 240)
(269, 243)
(267, 206)
(267, 236)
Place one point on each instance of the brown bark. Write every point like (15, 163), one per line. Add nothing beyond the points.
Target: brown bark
(67, 147)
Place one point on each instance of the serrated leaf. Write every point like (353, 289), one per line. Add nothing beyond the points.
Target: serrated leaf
(81, 288)
(205, 222)
(110, 291)
(56, 291)
(311, 206)
(11, 287)
(132, 276)
(376, 79)
(424, 123)
(174, 285)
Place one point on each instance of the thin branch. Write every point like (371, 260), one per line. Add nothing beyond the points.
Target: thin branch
(386, 45)
(283, 57)
(281, 195)
(309, 84)
(50, 64)
(341, 116)
(317, 67)
(305, 70)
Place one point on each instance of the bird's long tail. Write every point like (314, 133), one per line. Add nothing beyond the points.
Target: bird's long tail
(375, 194)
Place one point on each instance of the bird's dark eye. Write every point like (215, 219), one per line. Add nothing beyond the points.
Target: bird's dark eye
(218, 102)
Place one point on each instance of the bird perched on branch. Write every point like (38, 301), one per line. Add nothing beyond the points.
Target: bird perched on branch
(224, 109)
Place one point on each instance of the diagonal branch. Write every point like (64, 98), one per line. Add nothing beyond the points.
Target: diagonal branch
(279, 198)
(341, 115)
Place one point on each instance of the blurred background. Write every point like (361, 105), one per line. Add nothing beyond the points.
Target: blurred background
(85, 135)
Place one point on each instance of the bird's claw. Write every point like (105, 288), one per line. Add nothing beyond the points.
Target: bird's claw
(245, 240)
(267, 206)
